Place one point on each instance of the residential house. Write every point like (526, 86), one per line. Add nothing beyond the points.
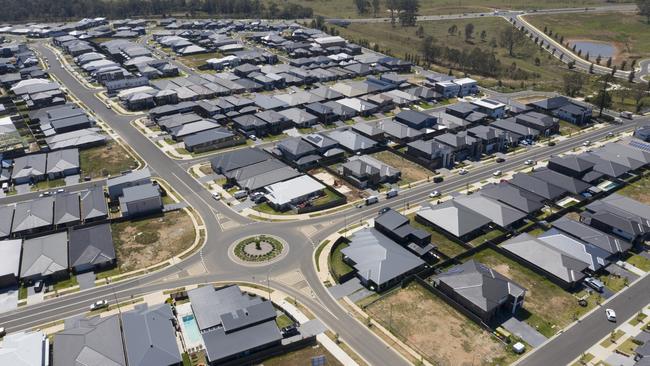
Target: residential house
(352, 141)
(620, 216)
(544, 124)
(117, 184)
(431, 153)
(454, 219)
(67, 211)
(33, 216)
(29, 169)
(416, 120)
(93, 205)
(141, 200)
(398, 228)
(90, 341)
(91, 248)
(467, 86)
(542, 188)
(463, 146)
(27, 348)
(213, 139)
(514, 197)
(481, 290)
(499, 213)
(293, 192)
(150, 336)
(578, 230)
(45, 257)
(378, 261)
(365, 171)
(492, 139)
(493, 108)
(572, 185)
(10, 251)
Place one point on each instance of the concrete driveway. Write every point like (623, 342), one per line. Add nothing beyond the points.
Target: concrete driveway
(524, 331)
(9, 300)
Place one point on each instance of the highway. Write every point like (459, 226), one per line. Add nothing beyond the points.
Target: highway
(302, 238)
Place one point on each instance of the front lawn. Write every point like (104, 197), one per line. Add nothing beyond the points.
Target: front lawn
(639, 262)
(337, 266)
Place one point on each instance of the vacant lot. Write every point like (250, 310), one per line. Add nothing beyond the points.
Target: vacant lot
(302, 357)
(411, 172)
(544, 72)
(629, 33)
(101, 161)
(638, 191)
(194, 61)
(146, 242)
(442, 334)
(339, 185)
(550, 308)
(347, 9)
(443, 244)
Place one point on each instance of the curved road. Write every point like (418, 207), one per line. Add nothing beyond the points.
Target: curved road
(302, 237)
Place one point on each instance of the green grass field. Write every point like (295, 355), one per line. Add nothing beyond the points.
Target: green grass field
(337, 266)
(628, 32)
(399, 41)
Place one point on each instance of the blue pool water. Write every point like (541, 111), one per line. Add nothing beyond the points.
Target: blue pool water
(605, 50)
(192, 333)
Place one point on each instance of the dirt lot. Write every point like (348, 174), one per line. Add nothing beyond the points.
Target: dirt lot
(142, 243)
(411, 172)
(342, 186)
(639, 190)
(441, 333)
(100, 161)
(547, 306)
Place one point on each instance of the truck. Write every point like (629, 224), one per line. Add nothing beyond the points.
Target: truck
(371, 200)
(626, 115)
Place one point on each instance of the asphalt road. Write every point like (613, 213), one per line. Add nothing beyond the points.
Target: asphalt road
(302, 237)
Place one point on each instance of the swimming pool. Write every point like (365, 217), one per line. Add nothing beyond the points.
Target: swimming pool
(191, 332)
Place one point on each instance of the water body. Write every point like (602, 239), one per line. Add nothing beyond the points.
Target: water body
(605, 50)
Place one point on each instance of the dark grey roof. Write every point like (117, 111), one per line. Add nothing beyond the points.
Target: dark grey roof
(398, 130)
(94, 341)
(500, 213)
(391, 219)
(513, 196)
(149, 336)
(215, 134)
(136, 193)
(551, 103)
(133, 176)
(33, 214)
(220, 345)
(237, 159)
(540, 121)
(480, 285)
(10, 257)
(535, 185)
(93, 203)
(572, 185)
(591, 235)
(6, 218)
(576, 163)
(605, 166)
(208, 303)
(44, 255)
(66, 208)
(511, 126)
(91, 245)
(298, 116)
(319, 140)
(296, 146)
(594, 256)
(351, 140)
(379, 259)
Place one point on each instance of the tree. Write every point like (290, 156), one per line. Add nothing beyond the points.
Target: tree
(483, 35)
(469, 31)
(510, 38)
(604, 98)
(430, 51)
(420, 32)
(623, 64)
(638, 92)
(408, 12)
(573, 83)
(362, 6)
(452, 30)
(393, 6)
(644, 9)
(631, 76)
(591, 68)
(537, 61)
(609, 62)
(614, 70)
(375, 7)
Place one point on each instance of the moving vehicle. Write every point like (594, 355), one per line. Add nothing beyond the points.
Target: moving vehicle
(108, 106)
(497, 173)
(3, 332)
(586, 143)
(463, 171)
(392, 193)
(216, 196)
(595, 284)
(60, 190)
(252, 137)
(438, 179)
(371, 200)
(99, 304)
(626, 115)
(384, 210)
(434, 194)
(611, 315)
(529, 162)
(500, 160)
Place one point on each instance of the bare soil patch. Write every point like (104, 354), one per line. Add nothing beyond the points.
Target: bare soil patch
(439, 332)
(411, 172)
(143, 243)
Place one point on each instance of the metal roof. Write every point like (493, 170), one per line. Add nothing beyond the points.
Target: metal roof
(93, 341)
(453, 218)
(44, 255)
(91, 245)
(149, 336)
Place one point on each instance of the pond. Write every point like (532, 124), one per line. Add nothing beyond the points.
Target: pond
(605, 50)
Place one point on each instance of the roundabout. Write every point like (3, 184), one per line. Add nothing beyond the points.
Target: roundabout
(258, 250)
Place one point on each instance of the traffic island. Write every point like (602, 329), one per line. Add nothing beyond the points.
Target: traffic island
(258, 250)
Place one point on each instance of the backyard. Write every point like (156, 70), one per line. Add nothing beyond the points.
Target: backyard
(149, 241)
(436, 330)
(101, 161)
(547, 306)
(543, 71)
(443, 244)
(303, 357)
(411, 172)
(638, 191)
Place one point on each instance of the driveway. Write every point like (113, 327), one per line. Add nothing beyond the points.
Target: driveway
(86, 280)
(72, 179)
(346, 288)
(618, 270)
(8, 300)
(524, 331)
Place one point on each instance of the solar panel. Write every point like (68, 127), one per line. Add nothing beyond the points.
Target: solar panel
(318, 361)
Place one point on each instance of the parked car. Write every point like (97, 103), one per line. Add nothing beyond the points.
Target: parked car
(626, 115)
(611, 315)
(434, 194)
(595, 284)
(216, 196)
(5, 187)
(240, 194)
(99, 304)
(38, 286)
(60, 190)
(551, 143)
(289, 331)
(252, 137)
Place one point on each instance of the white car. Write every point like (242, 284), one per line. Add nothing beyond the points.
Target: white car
(463, 171)
(216, 196)
(3, 332)
(434, 194)
(586, 143)
(529, 162)
(497, 173)
(611, 315)
(100, 304)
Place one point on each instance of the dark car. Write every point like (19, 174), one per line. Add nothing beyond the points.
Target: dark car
(289, 331)
(438, 179)
(38, 286)
(384, 210)
(500, 160)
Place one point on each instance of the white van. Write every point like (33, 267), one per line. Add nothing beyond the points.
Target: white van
(240, 194)
(626, 115)
(5, 187)
(371, 200)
